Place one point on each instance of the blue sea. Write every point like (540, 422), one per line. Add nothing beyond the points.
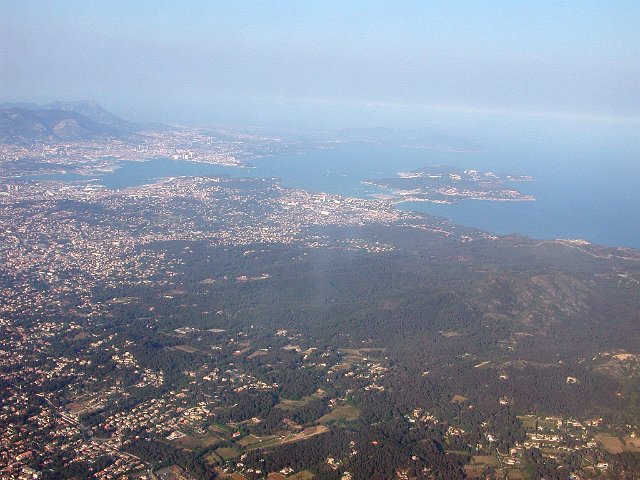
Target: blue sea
(586, 180)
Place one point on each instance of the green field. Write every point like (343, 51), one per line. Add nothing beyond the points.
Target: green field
(226, 453)
(276, 476)
(303, 475)
(253, 441)
(473, 471)
(186, 348)
(352, 355)
(290, 405)
(213, 459)
(266, 444)
(528, 421)
(195, 443)
(516, 474)
(219, 428)
(345, 413)
(485, 460)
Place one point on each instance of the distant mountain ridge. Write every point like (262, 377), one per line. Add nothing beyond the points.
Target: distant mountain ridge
(93, 111)
(25, 122)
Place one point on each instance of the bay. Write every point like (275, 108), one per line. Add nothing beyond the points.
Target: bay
(586, 189)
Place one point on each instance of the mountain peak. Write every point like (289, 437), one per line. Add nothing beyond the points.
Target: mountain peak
(60, 120)
(93, 111)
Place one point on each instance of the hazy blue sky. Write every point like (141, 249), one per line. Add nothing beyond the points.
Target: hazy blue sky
(280, 60)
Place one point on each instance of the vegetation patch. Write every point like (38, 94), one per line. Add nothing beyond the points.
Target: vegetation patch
(516, 474)
(473, 471)
(459, 399)
(226, 453)
(485, 460)
(345, 413)
(276, 476)
(195, 443)
(617, 445)
(306, 433)
(251, 440)
(186, 348)
(450, 334)
(291, 405)
(237, 476)
(76, 407)
(528, 421)
(303, 475)
(218, 428)
(213, 459)
(257, 353)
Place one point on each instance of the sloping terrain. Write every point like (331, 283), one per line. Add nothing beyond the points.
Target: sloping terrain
(19, 124)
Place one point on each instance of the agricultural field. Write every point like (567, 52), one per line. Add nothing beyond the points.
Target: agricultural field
(185, 348)
(213, 459)
(617, 445)
(226, 453)
(304, 475)
(344, 413)
(291, 405)
(544, 423)
(276, 476)
(195, 443)
(252, 442)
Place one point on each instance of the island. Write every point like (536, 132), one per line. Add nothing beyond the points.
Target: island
(444, 184)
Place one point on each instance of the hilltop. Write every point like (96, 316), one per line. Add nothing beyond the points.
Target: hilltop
(87, 120)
